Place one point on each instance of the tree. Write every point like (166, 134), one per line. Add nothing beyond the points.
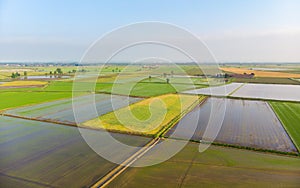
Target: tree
(25, 73)
(59, 71)
(168, 80)
(150, 78)
(50, 73)
(15, 75)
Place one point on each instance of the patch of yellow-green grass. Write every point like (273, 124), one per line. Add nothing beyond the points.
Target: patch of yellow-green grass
(23, 83)
(145, 117)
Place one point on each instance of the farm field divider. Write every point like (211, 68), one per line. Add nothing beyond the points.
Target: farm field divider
(174, 121)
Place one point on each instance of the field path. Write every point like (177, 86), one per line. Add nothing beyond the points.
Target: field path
(104, 181)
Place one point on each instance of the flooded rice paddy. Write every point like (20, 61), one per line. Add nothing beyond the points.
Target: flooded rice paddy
(269, 91)
(246, 123)
(37, 154)
(62, 110)
(223, 90)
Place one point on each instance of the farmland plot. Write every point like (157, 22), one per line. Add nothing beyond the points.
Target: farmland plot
(36, 154)
(216, 167)
(289, 114)
(246, 123)
(269, 91)
(259, 73)
(62, 110)
(145, 117)
(223, 90)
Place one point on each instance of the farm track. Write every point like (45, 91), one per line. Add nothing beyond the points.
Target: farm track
(104, 181)
(109, 177)
(41, 120)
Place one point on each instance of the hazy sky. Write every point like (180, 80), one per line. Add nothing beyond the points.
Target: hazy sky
(234, 30)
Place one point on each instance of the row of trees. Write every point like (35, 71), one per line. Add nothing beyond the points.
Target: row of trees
(16, 74)
(57, 71)
(168, 79)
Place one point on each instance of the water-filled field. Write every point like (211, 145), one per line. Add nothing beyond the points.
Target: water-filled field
(37, 154)
(246, 123)
(216, 167)
(269, 91)
(62, 110)
(223, 90)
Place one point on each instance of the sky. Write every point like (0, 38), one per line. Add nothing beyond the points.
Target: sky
(233, 30)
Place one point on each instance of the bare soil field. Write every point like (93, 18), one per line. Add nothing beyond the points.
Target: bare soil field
(259, 73)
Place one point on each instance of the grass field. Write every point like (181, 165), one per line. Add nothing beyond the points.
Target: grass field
(261, 73)
(177, 80)
(15, 99)
(147, 116)
(131, 88)
(216, 167)
(142, 89)
(289, 114)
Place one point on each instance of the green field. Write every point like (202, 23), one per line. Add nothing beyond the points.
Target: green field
(289, 114)
(147, 116)
(15, 99)
(216, 167)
